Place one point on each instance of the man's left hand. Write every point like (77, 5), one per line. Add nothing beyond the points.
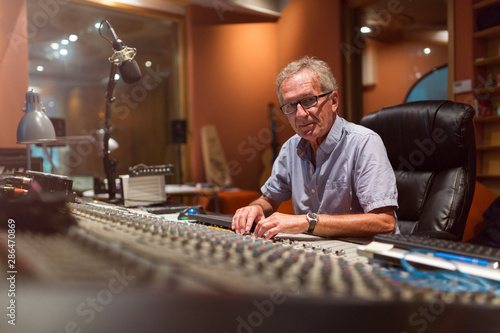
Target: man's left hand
(281, 223)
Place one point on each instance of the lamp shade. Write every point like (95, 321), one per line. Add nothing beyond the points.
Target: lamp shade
(35, 126)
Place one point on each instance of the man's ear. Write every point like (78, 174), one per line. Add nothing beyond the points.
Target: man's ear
(334, 97)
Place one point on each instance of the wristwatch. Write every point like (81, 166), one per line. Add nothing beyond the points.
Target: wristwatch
(312, 218)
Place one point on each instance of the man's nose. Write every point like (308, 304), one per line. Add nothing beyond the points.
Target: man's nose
(301, 111)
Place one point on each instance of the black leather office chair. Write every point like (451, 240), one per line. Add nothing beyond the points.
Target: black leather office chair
(432, 150)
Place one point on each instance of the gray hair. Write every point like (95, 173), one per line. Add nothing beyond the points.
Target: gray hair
(320, 68)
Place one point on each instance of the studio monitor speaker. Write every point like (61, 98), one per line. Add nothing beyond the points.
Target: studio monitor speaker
(178, 128)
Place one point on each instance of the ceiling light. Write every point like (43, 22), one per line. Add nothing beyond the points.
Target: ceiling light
(365, 30)
(148, 63)
(73, 38)
(97, 25)
(64, 42)
(63, 52)
(54, 46)
(117, 77)
(39, 68)
(427, 50)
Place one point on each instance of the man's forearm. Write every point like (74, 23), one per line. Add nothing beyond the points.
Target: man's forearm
(356, 225)
(268, 206)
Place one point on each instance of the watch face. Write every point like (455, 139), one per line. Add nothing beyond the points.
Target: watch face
(312, 216)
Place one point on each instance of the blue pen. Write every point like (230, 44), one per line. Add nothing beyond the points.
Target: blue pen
(469, 260)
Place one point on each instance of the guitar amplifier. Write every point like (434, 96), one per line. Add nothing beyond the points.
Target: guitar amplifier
(154, 170)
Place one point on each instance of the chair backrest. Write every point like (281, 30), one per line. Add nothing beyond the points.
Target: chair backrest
(431, 147)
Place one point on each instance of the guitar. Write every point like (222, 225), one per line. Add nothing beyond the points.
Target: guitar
(269, 154)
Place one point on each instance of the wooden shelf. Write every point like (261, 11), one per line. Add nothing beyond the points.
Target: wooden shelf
(484, 3)
(487, 33)
(487, 119)
(487, 147)
(488, 90)
(487, 61)
(483, 176)
(486, 40)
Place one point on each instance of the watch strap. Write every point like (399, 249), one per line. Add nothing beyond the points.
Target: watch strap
(313, 220)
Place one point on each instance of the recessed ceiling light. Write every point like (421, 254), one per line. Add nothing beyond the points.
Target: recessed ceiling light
(39, 68)
(63, 52)
(64, 42)
(54, 46)
(365, 30)
(427, 50)
(148, 63)
(73, 38)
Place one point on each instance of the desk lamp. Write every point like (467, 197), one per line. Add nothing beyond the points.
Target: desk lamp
(35, 126)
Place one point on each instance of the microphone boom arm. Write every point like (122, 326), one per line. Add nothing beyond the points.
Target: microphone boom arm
(109, 164)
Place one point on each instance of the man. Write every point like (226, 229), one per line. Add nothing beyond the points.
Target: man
(337, 173)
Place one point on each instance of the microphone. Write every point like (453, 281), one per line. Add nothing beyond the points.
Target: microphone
(123, 56)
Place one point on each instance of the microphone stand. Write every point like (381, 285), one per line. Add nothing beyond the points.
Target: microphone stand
(109, 164)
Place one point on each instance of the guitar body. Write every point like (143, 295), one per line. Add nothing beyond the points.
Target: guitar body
(267, 159)
(214, 159)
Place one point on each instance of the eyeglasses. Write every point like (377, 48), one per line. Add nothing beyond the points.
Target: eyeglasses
(306, 103)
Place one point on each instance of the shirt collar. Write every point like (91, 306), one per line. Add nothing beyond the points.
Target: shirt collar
(327, 146)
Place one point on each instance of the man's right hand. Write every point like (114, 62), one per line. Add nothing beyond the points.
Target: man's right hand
(245, 217)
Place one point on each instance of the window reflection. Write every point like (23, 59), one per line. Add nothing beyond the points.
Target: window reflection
(69, 68)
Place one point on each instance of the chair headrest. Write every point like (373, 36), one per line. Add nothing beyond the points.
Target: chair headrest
(425, 135)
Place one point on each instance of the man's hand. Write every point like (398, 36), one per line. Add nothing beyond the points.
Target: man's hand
(253, 213)
(245, 217)
(281, 223)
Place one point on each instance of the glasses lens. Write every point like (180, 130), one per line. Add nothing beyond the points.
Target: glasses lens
(289, 108)
(309, 102)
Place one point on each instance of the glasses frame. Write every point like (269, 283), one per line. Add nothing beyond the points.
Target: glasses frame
(300, 102)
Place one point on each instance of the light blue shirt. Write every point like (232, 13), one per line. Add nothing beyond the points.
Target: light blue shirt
(352, 174)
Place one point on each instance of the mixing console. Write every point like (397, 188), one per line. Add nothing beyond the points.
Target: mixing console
(188, 266)
(216, 258)
(166, 253)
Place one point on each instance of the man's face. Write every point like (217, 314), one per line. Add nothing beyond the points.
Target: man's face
(312, 124)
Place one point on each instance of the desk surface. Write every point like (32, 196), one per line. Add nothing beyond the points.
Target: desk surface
(175, 189)
(182, 189)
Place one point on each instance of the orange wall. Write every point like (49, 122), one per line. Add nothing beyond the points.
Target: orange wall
(13, 68)
(310, 27)
(408, 61)
(232, 70)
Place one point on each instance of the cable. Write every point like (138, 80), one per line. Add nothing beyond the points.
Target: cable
(454, 281)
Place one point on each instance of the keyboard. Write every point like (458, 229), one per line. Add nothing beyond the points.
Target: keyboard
(410, 242)
(168, 209)
(223, 221)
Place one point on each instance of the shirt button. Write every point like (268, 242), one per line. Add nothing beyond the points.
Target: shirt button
(313, 191)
